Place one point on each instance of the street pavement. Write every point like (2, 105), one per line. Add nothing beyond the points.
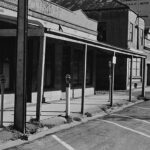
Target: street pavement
(128, 129)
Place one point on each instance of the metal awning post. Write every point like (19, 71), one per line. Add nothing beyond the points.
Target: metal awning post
(112, 81)
(143, 76)
(84, 79)
(130, 86)
(40, 80)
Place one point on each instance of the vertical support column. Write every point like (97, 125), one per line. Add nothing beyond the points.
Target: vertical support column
(84, 79)
(2, 82)
(40, 80)
(20, 91)
(146, 71)
(94, 71)
(143, 77)
(112, 81)
(68, 82)
(130, 85)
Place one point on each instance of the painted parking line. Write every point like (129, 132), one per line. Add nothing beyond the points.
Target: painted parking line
(141, 120)
(63, 143)
(126, 128)
(142, 107)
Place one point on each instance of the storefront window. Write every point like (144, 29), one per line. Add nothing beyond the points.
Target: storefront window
(78, 68)
(49, 66)
(89, 73)
(136, 71)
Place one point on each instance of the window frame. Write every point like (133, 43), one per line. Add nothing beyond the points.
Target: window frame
(141, 36)
(136, 68)
(131, 31)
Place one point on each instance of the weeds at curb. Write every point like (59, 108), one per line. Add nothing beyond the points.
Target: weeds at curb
(88, 114)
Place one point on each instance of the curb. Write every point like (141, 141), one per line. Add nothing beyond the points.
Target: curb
(55, 129)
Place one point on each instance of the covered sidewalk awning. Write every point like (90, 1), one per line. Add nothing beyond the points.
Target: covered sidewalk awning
(96, 44)
(102, 47)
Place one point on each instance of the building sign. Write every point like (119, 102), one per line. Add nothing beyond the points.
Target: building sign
(142, 7)
(114, 60)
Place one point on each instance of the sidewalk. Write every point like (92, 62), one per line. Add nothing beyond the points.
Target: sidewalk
(55, 108)
(52, 113)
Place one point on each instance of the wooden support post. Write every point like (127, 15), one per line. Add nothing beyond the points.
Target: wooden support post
(130, 86)
(40, 80)
(143, 77)
(20, 90)
(84, 79)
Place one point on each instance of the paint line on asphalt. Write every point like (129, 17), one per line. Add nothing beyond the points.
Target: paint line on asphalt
(126, 128)
(62, 142)
(142, 108)
(132, 118)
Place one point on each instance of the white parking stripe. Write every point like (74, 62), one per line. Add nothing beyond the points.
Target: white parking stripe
(132, 118)
(63, 143)
(142, 108)
(126, 128)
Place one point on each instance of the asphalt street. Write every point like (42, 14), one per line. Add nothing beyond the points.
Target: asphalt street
(128, 129)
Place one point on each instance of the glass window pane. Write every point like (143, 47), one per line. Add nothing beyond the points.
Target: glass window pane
(134, 72)
(138, 72)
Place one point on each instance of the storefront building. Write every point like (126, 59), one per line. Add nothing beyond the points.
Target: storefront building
(69, 45)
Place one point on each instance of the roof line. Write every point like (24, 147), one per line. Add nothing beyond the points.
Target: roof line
(105, 9)
(122, 4)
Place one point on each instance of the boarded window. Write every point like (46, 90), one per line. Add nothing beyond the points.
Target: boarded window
(101, 31)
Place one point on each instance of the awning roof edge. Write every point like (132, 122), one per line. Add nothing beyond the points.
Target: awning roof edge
(80, 40)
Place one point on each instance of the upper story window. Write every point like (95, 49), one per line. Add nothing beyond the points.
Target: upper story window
(102, 31)
(131, 31)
